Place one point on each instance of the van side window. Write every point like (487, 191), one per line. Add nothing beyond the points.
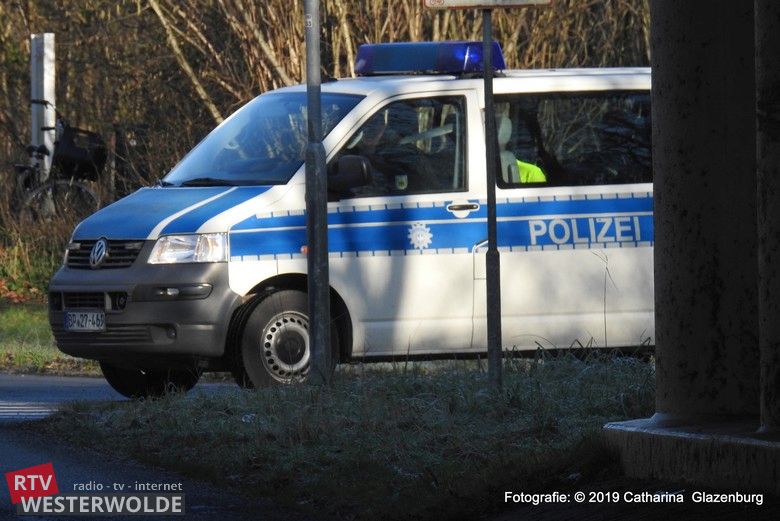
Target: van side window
(570, 139)
(414, 146)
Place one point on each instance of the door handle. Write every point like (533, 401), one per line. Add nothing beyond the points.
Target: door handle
(462, 207)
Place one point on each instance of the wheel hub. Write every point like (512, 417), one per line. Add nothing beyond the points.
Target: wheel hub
(285, 346)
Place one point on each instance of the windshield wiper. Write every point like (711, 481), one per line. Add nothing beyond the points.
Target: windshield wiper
(207, 181)
(162, 183)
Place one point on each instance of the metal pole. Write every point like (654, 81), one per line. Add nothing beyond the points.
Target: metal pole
(42, 77)
(316, 207)
(492, 261)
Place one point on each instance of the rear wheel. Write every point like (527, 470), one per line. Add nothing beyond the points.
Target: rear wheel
(275, 345)
(145, 383)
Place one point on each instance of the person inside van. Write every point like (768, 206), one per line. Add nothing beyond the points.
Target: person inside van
(368, 143)
(530, 173)
(514, 170)
(524, 111)
(398, 166)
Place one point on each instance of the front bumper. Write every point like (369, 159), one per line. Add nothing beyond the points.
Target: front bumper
(155, 315)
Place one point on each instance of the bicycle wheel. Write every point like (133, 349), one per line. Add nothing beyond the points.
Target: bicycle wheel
(60, 202)
(22, 181)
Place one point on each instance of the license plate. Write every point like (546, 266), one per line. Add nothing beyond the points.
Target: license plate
(85, 321)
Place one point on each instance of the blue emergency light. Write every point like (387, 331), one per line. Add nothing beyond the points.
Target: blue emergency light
(424, 58)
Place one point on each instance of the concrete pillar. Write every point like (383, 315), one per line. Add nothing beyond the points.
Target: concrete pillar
(705, 211)
(709, 240)
(768, 184)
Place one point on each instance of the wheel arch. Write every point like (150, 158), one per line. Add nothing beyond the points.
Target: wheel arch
(299, 281)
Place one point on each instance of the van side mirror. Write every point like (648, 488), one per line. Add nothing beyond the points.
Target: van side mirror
(350, 172)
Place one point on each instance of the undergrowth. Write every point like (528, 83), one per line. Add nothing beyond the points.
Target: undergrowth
(27, 345)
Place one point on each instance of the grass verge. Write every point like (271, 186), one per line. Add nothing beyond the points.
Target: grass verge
(27, 346)
(379, 444)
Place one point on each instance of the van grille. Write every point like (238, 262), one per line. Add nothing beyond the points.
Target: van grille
(114, 335)
(121, 254)
(84, 300)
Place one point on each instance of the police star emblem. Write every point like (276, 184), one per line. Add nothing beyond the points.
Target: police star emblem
(420, 236)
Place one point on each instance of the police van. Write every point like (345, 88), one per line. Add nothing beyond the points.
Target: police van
(207, 270)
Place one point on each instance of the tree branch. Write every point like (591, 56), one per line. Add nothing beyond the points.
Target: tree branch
(184, 64)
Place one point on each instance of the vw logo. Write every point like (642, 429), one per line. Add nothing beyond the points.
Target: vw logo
(98, 254)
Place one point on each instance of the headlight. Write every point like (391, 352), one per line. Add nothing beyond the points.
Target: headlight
(206, 247)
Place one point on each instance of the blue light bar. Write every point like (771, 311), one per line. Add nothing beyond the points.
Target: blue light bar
(424, 58)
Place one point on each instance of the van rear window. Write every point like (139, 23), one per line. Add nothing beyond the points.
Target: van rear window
(571, 139)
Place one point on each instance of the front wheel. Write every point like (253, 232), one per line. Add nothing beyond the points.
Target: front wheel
(275, 346)
(147, 383)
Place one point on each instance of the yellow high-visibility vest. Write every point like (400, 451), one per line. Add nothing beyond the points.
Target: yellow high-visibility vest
(530, 173)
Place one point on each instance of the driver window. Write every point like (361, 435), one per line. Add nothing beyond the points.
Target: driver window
(414, 146)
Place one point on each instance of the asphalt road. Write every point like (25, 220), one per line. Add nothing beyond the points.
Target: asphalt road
(26, 398)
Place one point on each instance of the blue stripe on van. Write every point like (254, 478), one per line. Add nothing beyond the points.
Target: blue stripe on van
(455, 235)
(521, 209)
(191, 221)
(136, 215)
(586, 222)
(355, 239)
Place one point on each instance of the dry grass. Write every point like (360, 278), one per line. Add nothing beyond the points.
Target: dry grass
(29, 255)
(383, 444)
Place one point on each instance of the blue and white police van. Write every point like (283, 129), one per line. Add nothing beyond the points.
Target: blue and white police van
(207, 270)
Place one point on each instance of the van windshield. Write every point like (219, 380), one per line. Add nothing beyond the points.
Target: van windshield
(262, 143)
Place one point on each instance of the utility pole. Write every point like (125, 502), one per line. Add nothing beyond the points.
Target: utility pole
(492, 258)
(316, 208)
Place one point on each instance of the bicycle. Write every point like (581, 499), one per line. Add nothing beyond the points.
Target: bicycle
(64, 198)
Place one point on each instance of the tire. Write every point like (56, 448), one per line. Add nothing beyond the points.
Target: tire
(64, 202)
(137, 383)
(275, 342)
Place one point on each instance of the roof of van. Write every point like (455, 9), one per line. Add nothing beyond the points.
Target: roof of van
(510, 80)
